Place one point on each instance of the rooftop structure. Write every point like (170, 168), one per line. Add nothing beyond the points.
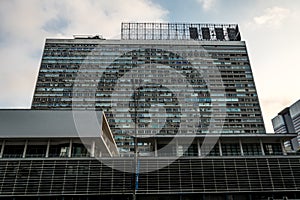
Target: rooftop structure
(180, 31)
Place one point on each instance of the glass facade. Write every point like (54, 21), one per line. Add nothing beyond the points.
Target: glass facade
(104, 63)
(288, 121)
(252, 149)
(231, 150)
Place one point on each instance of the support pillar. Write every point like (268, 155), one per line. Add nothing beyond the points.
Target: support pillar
(25, 149)
(155, 147)
(262, 147)
(93, 149)
(176, 147)
(47, 150)
(241, 147)
(220, 147)
(199, 148)
(2, 148)
(70, 149)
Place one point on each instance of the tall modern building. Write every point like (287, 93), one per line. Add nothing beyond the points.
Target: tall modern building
(288, 121)
(155, 63)
(181, 103)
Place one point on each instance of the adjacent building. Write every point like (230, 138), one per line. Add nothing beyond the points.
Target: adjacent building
(288, 121)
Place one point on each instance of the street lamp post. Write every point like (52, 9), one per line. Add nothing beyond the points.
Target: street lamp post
(136, 167)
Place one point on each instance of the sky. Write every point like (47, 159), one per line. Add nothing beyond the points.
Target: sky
(271, 29)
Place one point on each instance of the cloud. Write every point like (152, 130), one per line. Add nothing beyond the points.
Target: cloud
(207, 4)
(273, 17)
(272, 39)
(24, 25)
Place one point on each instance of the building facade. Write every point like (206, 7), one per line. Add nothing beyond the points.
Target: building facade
(44, 155)
(93, 73)
(54, 134)
(288, 121)
(180, 96)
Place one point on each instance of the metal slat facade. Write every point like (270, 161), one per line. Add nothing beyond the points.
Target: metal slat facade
(36, 177)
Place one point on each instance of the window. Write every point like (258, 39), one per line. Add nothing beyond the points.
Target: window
(231, 149)
(273, 149)
(252, 149)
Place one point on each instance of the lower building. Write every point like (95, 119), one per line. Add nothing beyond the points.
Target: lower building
(54, 134)
(44, 156)
(250, 178)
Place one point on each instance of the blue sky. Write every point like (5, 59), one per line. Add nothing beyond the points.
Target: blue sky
(271, 29)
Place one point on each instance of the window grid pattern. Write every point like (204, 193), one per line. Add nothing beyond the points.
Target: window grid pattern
(87, 176)
(62, 60)
(231, 149)
(43, 177)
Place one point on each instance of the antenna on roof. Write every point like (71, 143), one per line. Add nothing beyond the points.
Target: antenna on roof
(100, 37)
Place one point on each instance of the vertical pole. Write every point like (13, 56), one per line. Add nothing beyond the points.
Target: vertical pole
(122, 27)
(93, 149)
(129, 32)
(2, 148)
(262, 147)
(155, 147)
(199, 148)
(220, 147)
(48, 148)
(241, 147)
(70, 149)
(137, 31)
(145, 31)
(25, 149)
(136, 96)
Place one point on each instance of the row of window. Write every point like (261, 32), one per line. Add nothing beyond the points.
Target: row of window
(79, 150)
(33, 151)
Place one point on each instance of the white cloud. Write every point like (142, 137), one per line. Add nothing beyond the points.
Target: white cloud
(207, 4)
(274, 16)
(24, 25)
(273, 47)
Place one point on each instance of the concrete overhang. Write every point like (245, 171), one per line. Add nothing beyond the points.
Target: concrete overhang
(58, 124)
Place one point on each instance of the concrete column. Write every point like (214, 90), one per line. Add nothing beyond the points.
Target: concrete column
(176, 144)
(262, 147)
(155, 147)
(2, 148)
(70, 149)
(241, 147)
(199, 148)
(48, 148)
(25, 149)
(93, 149)
(283, 148)
(220, 147)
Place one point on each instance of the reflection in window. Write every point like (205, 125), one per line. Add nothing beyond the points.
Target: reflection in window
(273, 149)
(79, 150)
(231, 149)
(13, 151)
(252, 149)
(60, 150)
(36, 151)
